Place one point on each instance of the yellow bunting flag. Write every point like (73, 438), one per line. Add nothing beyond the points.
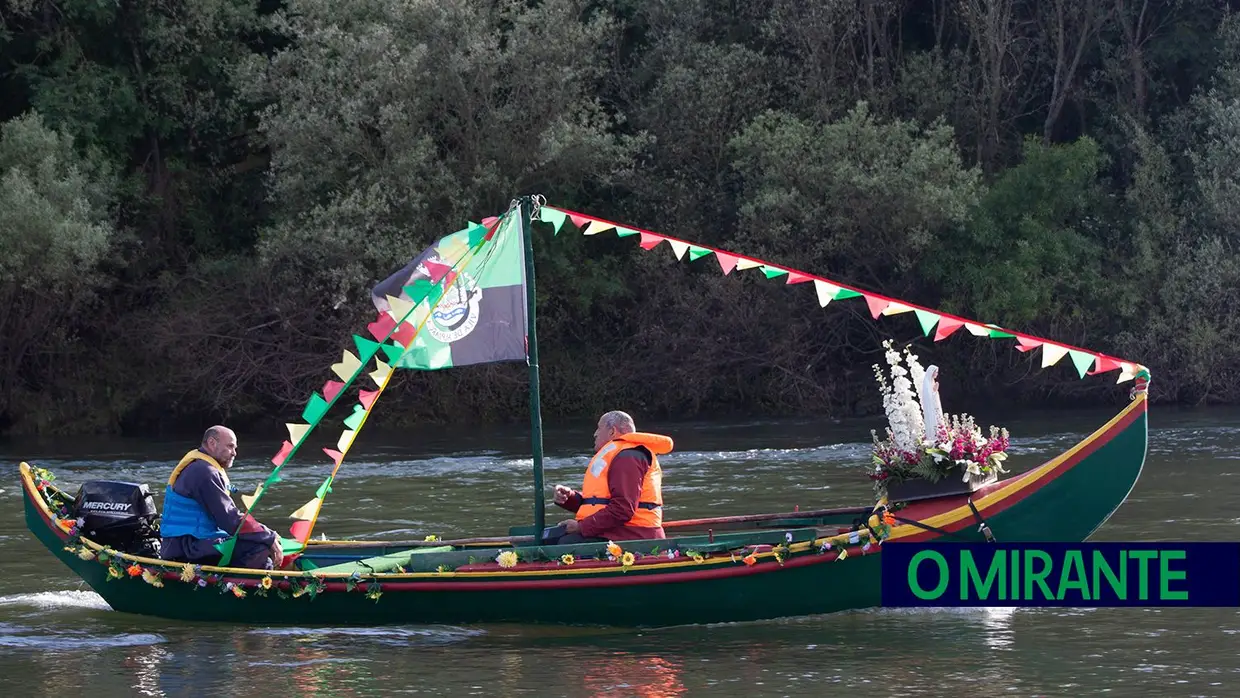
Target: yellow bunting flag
(1052, 353)
(347, 367)
(596, 227)
(297, 432)
(249, 499)
(742, 263)
(679, 247)
(826, 292)
(399, 307)
(308, 510)
(897, 308)
(346, 440)
(1126, 373)
(979, 331)
(380, 375)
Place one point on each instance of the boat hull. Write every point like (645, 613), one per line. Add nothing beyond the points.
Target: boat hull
(1065, 499)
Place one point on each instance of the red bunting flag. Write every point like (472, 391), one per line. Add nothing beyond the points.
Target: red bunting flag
(404, 335)
(437, 270)
(331, 389)
(877, 305)
(727, 262)
(489, 221)
(285, 449)
(300, 529)
(1024, 344)
(797, 278)
(381, 327)
(946, 327)
(335, 455)
(367, 397)
(1103, 364)
(649, 240)
(578, 221)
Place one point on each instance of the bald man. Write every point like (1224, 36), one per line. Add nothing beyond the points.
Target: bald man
(199, 512)
(621, 495)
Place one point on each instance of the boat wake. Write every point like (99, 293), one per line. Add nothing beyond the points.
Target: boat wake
(50, 600)
(391, 636)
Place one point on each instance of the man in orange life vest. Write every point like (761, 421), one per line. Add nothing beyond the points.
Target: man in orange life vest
(621, 496)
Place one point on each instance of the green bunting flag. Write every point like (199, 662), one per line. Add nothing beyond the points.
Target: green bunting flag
(355, 419)
(365, 348)
(1081, 360)
(771, 272)
(552, 216)
(696, 253)
(927, 320)
(315, 409)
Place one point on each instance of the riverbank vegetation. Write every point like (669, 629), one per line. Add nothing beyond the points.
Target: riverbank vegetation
(195, 198)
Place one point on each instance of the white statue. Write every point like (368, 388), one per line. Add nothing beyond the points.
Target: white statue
(931, 406)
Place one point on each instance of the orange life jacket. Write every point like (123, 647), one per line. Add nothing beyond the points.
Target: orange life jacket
(595, 493)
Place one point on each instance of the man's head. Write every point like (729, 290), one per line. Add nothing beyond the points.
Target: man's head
(221, 444)
(612, 425)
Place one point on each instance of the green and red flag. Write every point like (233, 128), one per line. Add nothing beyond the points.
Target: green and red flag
(469, 296)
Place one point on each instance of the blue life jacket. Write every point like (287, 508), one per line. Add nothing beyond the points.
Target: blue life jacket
(183, 516)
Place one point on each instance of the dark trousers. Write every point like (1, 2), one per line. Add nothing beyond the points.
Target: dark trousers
(571, 538)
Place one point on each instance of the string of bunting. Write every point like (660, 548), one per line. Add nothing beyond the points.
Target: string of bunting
(943, 325)
(394, 331)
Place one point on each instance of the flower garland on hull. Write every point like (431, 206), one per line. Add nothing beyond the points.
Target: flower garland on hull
(922, 442)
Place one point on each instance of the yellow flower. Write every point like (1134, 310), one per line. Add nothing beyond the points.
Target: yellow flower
(431, 538)
(567, 559)
(114, 573)
(697, 557)
(300, 590)
(266, 582)
(627, 559)
(506, 559)
(151, 578)
(86, 553)
(187, 574)
(843, 554)
(614, 550)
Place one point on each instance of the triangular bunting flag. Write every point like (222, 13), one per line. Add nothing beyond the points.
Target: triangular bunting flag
(746, 263)
(554, 217)
(300, 530)
(347, 366)
(393, 352)
(1103, 365)
(650, 240)
(355, 419)
(315, 409)
(1026, 344)
(696, 253)
(727, 262)
(997, 332)
(331, 389)
(845, 293)
(279, 458)
(877, 305)
(976, 330)
(796, 278)
(1081, 360)
(249, 499)
(380, 375)
(896, 308)
(596, 227)
(365, 349)
(335, 455)
(401, 307)
(1052, 353)
(225, 548)
(489, 221)
(404, 335)
(308, 510)
(346, 440)
(946, 327)
(624, 232)
(324, 488)
(380, 328)
(771, 272)
(478, 233)
(579, 221)
(927, 320)
(367, 397)
(297, 432)
(1126, 373)
(678, 247)
(826, 292)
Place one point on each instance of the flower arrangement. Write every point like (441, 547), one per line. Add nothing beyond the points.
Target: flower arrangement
(921, 441)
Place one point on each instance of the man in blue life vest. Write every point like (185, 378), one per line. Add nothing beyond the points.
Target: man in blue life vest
(621, 496)
(199, 512)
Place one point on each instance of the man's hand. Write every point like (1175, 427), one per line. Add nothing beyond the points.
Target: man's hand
(571, 526)
(562, 494)
(277, 555)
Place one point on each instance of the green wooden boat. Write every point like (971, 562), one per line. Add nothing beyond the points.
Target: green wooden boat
(724, 569)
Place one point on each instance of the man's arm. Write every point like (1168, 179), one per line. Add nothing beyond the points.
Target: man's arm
(624, 479)
(211, 493)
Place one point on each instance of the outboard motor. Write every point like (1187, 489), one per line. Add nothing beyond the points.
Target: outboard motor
(120, 515)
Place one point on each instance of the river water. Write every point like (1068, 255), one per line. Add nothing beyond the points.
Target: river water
(57, 638)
